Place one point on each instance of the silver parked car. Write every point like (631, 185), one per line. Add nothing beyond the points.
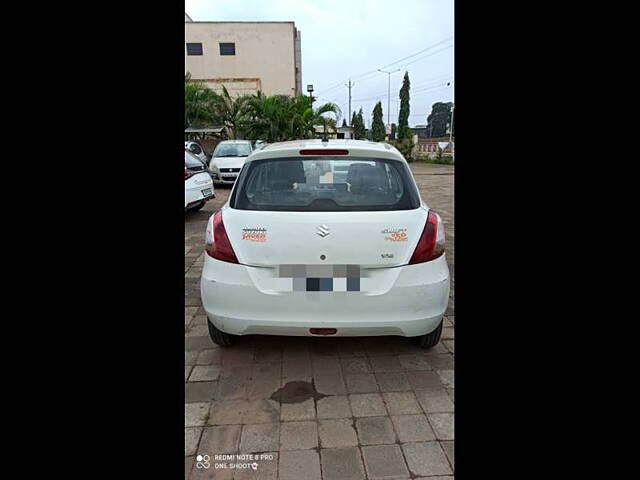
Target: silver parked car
(227, 160)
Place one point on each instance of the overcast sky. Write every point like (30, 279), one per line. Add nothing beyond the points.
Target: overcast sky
(344, 39)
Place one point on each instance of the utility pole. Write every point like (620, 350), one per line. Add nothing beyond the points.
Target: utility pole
(350, 85)
(451, 133)
(451, 128)
(389, 94)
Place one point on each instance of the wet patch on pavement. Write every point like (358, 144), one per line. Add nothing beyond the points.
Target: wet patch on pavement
(296, 392)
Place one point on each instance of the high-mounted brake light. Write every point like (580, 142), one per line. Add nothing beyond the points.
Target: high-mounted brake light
(325, 151)
(323, 331)
(217, 244)
(431, 243)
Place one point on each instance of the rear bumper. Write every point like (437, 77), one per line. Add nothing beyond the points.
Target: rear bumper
(193, 196)
(414, 305)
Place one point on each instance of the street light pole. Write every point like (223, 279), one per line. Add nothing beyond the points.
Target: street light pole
(389, 94)
(310, 90)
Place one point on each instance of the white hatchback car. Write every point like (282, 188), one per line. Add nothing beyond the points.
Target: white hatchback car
(198, 186)
(227, 160)
(325, 238)
(196, 149)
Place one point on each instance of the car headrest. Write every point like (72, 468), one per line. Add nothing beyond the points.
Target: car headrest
(363, 175)
(285, 174)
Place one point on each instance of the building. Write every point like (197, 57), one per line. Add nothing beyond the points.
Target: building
(422, 131)
(245, 57)
(345, 132)
(432, 145)
(340, 132)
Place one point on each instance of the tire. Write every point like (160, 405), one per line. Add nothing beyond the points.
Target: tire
(430, 339)
(220, 338)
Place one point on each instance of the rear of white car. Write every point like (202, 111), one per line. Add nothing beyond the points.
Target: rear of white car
(197, 151)
(198, 186)
(325, 238)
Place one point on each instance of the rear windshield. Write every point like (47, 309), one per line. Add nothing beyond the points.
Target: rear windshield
(325, 184)
(232, 150)
(190, 161)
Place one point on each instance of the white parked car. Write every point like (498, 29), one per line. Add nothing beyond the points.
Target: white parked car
(325, 238)
(196, 149)
(227, 160)
(198, 186)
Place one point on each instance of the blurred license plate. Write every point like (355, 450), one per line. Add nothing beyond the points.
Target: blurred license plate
(206, 192)
(229, 177)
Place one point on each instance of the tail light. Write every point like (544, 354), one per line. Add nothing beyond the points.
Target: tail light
(187, 173)
(431, 243)
(216, 241)
(324, 151)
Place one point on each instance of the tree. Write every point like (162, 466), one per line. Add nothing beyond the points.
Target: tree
(359, 130)
(394, 130)
(438, 118)
(230, 112)
(344, 122)
(361, 124)
(377, 124)
(199, 104)
(278, 118)
(403, 117)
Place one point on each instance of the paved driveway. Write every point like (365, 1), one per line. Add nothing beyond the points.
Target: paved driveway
(341, 408)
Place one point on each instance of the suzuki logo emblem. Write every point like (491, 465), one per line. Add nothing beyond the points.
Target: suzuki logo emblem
(323, 230)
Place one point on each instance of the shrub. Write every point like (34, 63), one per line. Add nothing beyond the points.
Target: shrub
(405, 147)
(444, 159)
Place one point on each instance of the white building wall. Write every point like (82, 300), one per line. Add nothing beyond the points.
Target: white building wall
(265, 57)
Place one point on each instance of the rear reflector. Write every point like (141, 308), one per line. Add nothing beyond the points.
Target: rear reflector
(323, 331)
(324, 151)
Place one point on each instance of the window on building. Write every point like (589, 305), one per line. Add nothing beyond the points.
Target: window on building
(227, 49)
(194, 49)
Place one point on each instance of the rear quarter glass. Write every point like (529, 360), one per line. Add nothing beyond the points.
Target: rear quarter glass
(329, 184)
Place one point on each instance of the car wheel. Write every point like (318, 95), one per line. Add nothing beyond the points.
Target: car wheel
(220, 338)
(430, 339)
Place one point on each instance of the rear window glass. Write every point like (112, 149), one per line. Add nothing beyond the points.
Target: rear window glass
(195, 148)
(232, 150)
(190, 161)
(325, 184)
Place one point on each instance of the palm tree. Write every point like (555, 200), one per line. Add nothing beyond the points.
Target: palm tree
(319, 116)
(265, 117)
(230, 112)
(199, 102)
(278, 118)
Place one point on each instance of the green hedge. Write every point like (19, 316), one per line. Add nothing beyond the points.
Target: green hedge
(444, 159)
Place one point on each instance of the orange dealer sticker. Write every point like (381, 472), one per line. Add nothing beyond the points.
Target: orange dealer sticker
(395, 235)
(254, 234)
